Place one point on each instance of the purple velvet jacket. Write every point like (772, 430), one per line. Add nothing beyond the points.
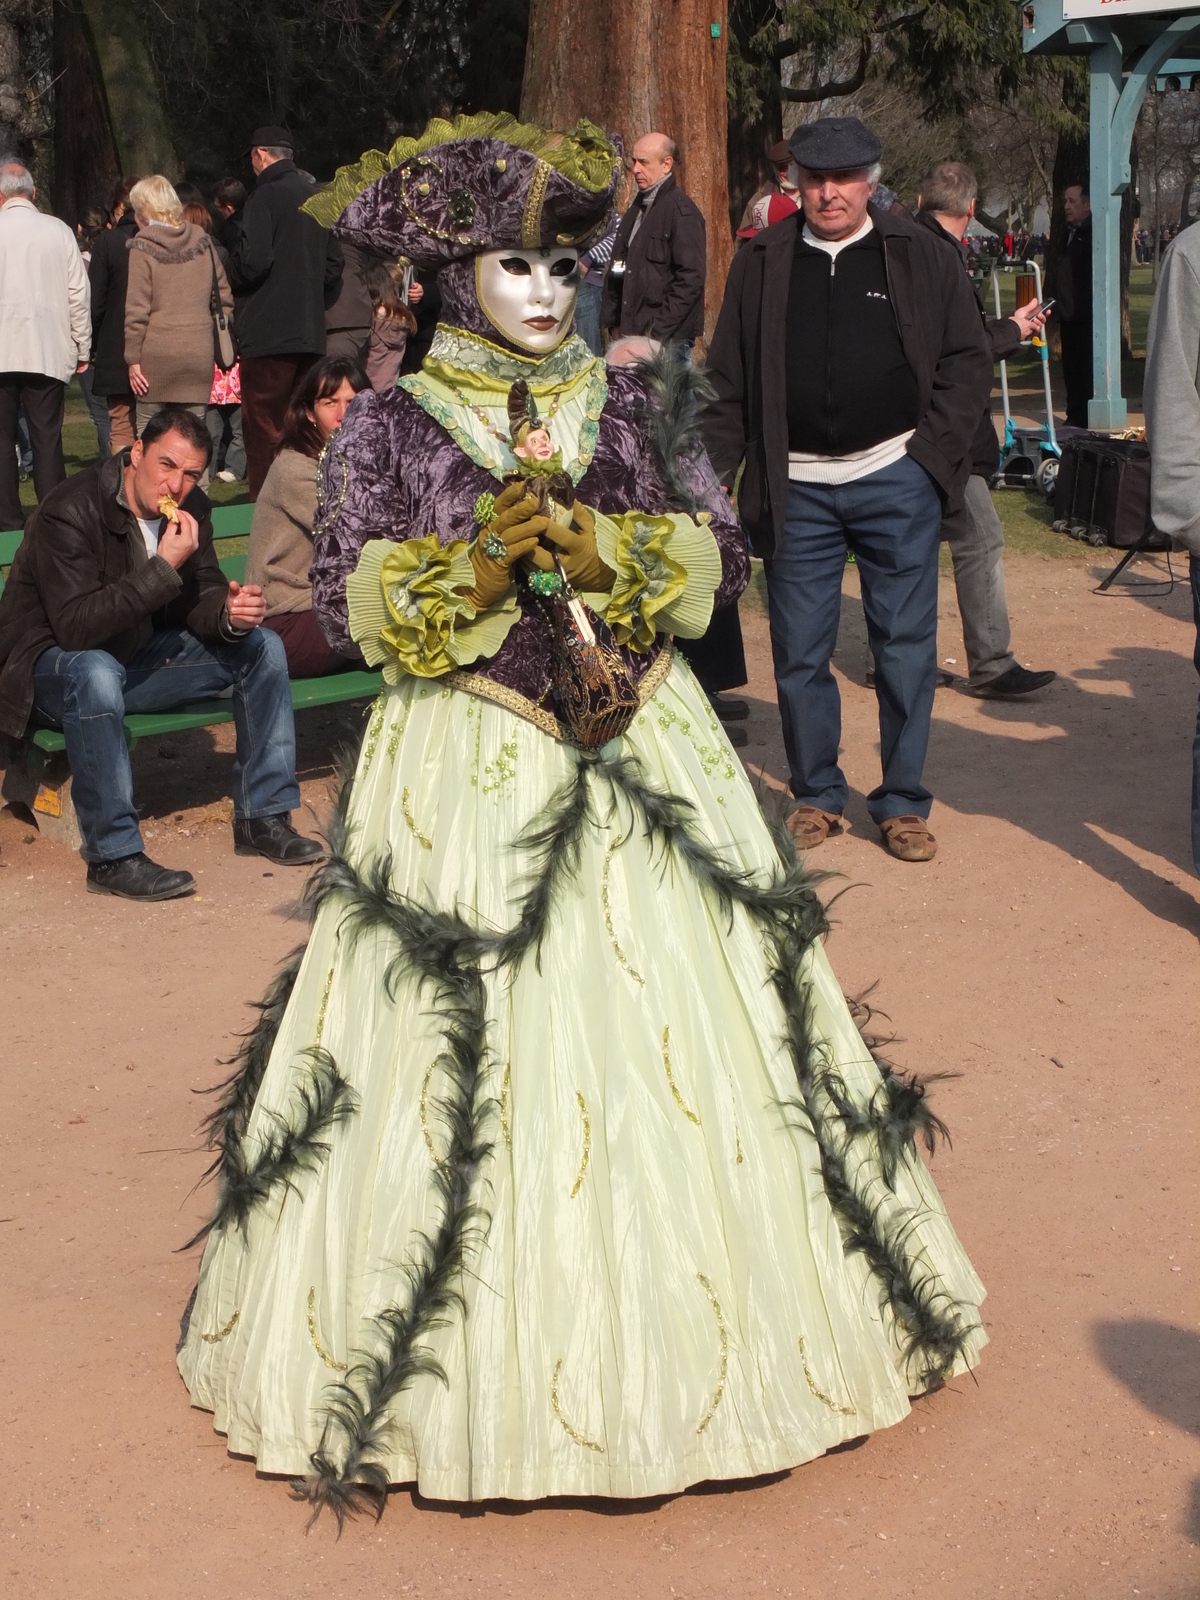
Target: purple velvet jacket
(392, 472)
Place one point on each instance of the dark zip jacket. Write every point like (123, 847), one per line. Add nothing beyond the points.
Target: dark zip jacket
(108, 273)
(284, 268)
(661, 293)
(940, 333)
(1003, 338)
(849, 384)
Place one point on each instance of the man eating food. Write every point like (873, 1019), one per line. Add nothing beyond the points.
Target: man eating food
(116, 603)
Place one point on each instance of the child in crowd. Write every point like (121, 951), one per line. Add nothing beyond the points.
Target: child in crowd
(392, 324)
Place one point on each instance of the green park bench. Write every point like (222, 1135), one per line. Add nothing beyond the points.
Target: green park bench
(36, 773)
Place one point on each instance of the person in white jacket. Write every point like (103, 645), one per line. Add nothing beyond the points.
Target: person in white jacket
(45, 335)
(1171, 395)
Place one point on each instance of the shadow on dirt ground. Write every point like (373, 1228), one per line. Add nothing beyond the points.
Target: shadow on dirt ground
(1160, 1365)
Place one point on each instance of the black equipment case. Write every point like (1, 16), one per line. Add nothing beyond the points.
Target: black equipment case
(1102, 494)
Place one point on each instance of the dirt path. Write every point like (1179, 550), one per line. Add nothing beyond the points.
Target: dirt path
(1048, 956)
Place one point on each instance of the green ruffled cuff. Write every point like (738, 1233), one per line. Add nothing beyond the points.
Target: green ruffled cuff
(668, 569)
(409, 611)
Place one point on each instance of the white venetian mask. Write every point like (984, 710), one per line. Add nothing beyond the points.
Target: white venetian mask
(529, 295)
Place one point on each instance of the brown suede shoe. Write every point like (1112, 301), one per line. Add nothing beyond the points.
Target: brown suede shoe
(909, 838)
(809, 826)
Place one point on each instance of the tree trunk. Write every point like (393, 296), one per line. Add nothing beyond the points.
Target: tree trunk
(748, 140)
(22, 116)
(140, 130)
(85, 157)
(755, 109)
(635, 69)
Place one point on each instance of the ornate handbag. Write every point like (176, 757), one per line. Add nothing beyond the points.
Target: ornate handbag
(597, 697)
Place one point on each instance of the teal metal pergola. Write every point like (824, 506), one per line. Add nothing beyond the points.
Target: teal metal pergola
(1130, 44)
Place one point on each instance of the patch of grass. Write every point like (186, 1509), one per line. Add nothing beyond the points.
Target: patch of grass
(228, 494)
(1026, 517)
(81, 448)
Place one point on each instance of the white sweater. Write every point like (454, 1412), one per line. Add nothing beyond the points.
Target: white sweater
(45, 298)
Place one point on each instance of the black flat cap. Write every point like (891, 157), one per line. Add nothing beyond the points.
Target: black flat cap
(271, 138)
(833, 144)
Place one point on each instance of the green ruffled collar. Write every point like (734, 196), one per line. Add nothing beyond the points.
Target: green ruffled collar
(470, 361)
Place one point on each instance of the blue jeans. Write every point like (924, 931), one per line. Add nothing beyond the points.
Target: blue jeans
(217, 420)
(587, 310)
(1195, 569)
(891, 520)
(97, 406)
(87, 693)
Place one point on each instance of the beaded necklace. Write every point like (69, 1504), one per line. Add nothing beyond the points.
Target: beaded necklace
(479, 412)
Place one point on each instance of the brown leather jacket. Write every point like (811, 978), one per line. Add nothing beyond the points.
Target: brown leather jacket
(943, 340)
(82, 579)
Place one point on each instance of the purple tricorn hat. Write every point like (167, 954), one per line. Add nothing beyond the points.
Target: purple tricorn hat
(480, 183)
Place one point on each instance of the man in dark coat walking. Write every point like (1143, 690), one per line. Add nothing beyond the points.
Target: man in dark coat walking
(851, 370)
(284, 268)
(1071, 287)
(108, 272)
(655, 281)
(975, 533)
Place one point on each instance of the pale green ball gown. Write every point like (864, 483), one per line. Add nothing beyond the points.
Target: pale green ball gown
(557, 1164)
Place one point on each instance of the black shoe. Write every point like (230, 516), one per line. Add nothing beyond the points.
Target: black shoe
(137, 878)
(729, 710)
(275, 838)
(945, 680)
(738, 737)
(1011, 685)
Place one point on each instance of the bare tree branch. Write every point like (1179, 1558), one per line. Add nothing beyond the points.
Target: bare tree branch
(828, 91)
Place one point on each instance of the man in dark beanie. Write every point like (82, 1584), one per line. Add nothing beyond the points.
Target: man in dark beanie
(285, 269)
(850, 370)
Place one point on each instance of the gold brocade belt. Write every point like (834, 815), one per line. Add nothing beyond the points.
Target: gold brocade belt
(521, 706)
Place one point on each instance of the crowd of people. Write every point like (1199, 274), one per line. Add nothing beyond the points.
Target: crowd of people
(1143, 241)
(483, 461)
(263, 325)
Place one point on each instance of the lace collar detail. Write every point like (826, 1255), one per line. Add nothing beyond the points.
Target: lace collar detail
(468, 359)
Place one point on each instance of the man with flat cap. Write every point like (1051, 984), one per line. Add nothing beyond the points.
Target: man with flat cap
(285, 268)
(850, 368)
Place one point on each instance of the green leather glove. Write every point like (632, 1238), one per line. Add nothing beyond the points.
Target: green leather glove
(515, 525)
(578, 553)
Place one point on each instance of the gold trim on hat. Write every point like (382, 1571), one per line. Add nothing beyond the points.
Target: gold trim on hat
(531, 222)
(424, 189)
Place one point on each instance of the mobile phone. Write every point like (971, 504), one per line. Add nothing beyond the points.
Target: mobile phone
(1044, 307)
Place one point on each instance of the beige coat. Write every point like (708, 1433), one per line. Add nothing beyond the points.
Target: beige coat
(281, 534)
(168, 317)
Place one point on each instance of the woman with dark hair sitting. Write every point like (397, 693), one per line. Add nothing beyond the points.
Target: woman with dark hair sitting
(282, 531)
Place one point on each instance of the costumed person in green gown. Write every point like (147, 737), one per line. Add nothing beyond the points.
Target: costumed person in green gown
(556, 1163)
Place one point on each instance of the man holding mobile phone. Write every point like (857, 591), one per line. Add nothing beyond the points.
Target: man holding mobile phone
(116, 603)
(975, 534)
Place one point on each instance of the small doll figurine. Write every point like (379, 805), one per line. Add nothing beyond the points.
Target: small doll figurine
(537, 459)
(535, 445)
